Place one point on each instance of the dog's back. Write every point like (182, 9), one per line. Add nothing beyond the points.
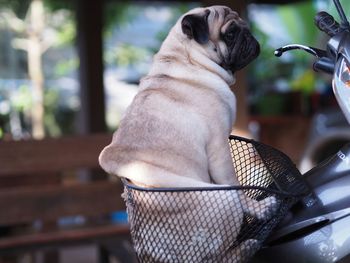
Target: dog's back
(161, 140)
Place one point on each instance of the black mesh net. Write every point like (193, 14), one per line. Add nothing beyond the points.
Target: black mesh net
(223, 224)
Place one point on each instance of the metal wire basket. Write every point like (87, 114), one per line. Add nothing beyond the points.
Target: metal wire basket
(215, 224)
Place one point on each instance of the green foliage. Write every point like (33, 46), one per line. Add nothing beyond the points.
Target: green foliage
(117, 13)
(4, 121)
(58, 120)
(60, 23)
(333, 11)
(50, 103)
(266, 66)
(296, 71)
(126, 55)
(298, 22)
(65, 67)
(19, 7)
(177, 11)
(66, 32)
(22, 100)
(54, 5)
(305, 82)
(293, 71)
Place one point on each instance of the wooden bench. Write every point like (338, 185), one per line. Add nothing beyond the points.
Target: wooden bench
(42, 184)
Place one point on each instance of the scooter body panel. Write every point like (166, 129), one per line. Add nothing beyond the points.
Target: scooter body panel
(317, 229)
(329, 243)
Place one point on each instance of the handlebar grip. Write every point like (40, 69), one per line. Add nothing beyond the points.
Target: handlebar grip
(325, 65)
(326, 23)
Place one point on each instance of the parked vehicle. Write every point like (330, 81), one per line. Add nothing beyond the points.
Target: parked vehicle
(317, 228)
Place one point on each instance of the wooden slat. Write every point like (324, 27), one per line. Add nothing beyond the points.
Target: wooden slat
(63, 237)
(51, 155)
(279, 2)
(49, 203)
(29, 180)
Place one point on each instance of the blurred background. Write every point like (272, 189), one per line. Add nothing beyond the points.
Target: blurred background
(47, 59)
(72, 67)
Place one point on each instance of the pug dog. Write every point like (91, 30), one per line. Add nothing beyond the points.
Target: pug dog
(175, 132)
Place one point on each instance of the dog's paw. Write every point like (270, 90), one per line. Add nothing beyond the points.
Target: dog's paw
(267, 208)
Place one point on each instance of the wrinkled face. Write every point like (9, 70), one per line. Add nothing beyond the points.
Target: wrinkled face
(223, 34)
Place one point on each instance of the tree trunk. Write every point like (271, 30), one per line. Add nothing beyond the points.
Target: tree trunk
(36, 21)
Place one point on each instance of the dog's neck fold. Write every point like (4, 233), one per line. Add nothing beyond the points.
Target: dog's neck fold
(198, 56)
(177, 50)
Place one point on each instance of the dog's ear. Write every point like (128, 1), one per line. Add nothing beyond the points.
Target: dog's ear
(196, 26)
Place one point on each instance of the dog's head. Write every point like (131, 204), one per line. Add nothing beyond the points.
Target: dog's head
(224, 36)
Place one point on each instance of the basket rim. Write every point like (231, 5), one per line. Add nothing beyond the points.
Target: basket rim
(261, 144)
(128, 184)
(280, 193)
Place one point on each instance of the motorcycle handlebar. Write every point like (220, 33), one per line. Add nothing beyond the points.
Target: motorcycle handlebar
(326, 23)
(325, 65)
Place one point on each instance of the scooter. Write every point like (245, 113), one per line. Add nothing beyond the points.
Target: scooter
(317, 228)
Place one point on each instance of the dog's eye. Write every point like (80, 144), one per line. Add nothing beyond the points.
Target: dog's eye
(230, 36)
(231, 33)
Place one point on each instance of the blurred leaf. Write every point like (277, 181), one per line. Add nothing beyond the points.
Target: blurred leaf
(51, 98)
(20, 7)
(298, 22)
(59, 32)
(64, 67)
(116, 14)
(333, 11)
(55, 5)
(177, 10)
(126, 55)
(22, 100)
(305, 83)
(294, 68)
(65, 30)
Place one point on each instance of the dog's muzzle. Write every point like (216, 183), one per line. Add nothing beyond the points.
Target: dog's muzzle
(242, 46)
